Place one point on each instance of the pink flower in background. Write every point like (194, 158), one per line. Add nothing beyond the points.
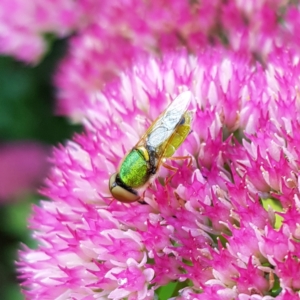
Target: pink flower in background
(24, 23)
(23, 166)
(121, 28)
(210, 227)
(118, 31)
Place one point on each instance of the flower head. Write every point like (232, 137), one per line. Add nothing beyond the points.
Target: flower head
(207, 226)
(24, 24)
(110, 33)
(118, 31)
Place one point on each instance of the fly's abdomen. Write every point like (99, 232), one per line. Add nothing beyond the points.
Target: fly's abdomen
(134, 171)
(179, 135)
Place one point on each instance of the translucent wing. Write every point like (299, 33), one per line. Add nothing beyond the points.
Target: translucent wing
(166, 123)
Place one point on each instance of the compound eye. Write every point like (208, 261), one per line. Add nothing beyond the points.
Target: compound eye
(120, 193)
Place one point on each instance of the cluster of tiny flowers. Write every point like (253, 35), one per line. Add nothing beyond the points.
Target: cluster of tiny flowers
(23, 25)
(207, 225)
(123, 27)
(120, 30)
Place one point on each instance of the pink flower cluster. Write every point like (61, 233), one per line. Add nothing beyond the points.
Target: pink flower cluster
(109, 33)
(23, 24)
(153, 23)
(23, 165)
(121, 30)
(209, 227)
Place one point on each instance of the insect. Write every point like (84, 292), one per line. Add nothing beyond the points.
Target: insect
(160, 141)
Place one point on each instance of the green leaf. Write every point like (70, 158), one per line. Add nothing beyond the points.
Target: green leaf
(171, 289)
(165, 292)
(276, 206)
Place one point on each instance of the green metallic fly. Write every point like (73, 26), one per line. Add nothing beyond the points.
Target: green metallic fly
(160, 141)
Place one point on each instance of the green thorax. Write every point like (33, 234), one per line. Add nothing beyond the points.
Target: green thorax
(134, 171)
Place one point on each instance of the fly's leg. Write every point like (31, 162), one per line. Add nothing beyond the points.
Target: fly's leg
(107, 202)
(186, 157)
(179, 199)
(172, 169)
(141, 200)
(175, 169)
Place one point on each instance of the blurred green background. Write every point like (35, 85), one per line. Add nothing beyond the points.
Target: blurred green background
(26, 113)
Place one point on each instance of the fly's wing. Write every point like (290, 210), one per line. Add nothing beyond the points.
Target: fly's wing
(161, 130)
